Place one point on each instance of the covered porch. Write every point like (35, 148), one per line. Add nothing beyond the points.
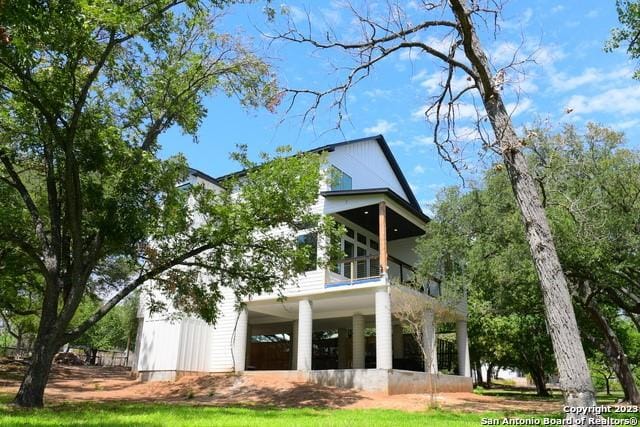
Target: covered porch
(348, 336)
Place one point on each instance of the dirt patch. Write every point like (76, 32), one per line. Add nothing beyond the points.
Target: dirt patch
(89, 383)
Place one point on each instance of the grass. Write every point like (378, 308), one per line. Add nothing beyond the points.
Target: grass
(125, 414)
(155, 414)
(528, 394)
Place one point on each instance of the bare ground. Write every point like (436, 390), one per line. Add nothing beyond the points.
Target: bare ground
(100, 384)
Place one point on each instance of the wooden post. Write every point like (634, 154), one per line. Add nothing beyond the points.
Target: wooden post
(382, 234)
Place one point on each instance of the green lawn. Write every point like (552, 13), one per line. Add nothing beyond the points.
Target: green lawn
(148, 414)
(125, 414)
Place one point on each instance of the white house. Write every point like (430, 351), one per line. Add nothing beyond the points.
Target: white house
(340, 306)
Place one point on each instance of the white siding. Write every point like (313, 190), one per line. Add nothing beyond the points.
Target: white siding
(221, 359)
(158, 345)
(194, 348)
(403, 249)
(367, 165)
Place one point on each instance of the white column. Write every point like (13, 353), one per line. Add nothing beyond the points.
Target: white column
(429, 341)
(384, 357)
(464, 362)
(398, 342)
(294, 345)
(240, 341)
(305, 336)
(358, 342)
(342, 348)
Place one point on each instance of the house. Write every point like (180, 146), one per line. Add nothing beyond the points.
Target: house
(324, 330)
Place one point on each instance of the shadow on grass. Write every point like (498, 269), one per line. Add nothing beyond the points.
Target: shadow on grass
(518, 393)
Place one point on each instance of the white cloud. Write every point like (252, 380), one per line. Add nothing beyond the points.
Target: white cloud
(461, 111)
(564, 82)
(378, 93)
(517, 108)
(418, 169)
(409, 54)
(518, 23)
(625, 124)
(624, 100)
(442, 44)
(558, 8)
(433, 82)
(594, 13)
(381, 127)
(416, 143)
(297, 15)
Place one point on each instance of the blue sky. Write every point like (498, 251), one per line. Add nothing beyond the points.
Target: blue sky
(571, 71)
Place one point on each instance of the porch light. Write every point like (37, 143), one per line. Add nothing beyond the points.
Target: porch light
(366, 212)
(395, 229)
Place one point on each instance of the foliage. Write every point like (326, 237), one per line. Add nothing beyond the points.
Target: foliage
(115, 331)
(87, 87)
(591, 186)
(627, 35)
(476, 239)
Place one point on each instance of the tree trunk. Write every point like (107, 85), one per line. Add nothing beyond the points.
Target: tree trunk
(489, 375)
(571, 361)
(540, 381)
(31, 392)
(479, 380)
(615, 353)
(607, 385)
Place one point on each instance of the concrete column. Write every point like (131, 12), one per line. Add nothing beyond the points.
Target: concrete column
(294, 345)
(398, 342)
(305, 335)
(430, 342)
(384, 355)
(358, 342)
(240, 341)
(464, 362)
(342, 348)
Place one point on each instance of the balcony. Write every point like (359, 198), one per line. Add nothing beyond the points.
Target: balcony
(366, 269)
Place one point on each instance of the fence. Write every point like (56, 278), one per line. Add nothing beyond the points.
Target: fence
(103, 357)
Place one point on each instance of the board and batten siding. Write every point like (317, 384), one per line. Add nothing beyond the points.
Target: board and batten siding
(158, 349)
(367, 165)
(194, 346)
(221, 357)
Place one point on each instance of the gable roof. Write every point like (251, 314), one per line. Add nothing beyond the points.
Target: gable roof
(382, 143)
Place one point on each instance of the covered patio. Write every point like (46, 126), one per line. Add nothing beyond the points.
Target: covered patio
(346, 336)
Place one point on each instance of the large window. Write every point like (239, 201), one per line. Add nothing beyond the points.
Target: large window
(361, 256)
(339, 180)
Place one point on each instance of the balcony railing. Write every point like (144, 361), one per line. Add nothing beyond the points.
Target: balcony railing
(358, 269)
(352, 271)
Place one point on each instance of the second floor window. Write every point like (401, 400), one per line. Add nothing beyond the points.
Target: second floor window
(339, 180)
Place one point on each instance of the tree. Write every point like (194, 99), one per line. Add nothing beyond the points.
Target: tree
(476, 239)
(87, 87)
(628, 34)
(113, 332)
(592, 190)
(589, 183)
(455, 22)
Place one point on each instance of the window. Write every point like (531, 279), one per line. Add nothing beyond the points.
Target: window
(309, 241)
(339, 180)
